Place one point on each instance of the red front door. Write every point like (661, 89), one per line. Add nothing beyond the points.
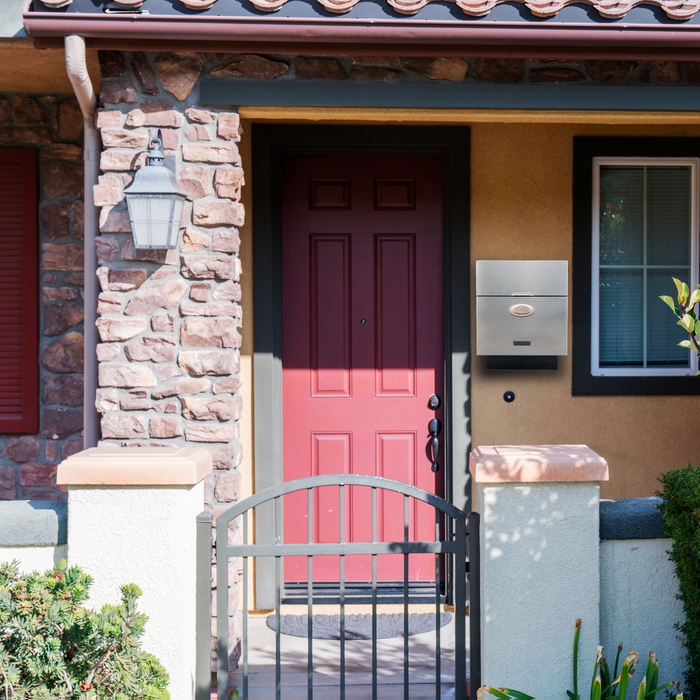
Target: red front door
(362, 346)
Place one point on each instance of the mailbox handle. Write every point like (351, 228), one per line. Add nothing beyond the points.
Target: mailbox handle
(433, 446)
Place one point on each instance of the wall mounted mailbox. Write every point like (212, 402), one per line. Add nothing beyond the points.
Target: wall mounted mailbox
(521, 312)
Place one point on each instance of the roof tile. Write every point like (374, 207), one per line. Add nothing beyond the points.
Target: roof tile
(609, 9)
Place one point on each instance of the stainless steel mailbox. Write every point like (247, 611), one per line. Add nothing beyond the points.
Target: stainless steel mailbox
(521, 307)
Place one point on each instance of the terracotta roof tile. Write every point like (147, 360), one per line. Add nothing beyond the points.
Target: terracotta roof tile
(609, 9)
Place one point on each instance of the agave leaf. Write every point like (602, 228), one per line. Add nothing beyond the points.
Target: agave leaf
(605, 679)
(642, 689)
(624, 679)
(651, 694)
(596, 689)
(517, 694)
(648, 676)
(617, 660)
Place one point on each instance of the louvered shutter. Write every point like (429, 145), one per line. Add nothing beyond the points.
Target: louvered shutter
(19, 298)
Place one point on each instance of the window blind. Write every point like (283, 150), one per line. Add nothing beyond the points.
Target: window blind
(645, 238)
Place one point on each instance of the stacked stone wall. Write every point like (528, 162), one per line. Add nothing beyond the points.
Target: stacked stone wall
(53, 125)
(169, 321)
(452, 69)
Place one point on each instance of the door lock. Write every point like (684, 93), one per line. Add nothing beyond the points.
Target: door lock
(434, 402)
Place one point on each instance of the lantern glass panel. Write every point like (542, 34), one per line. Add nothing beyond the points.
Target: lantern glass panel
(155, 219)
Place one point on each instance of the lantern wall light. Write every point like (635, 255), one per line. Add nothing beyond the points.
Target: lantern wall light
(155, 201)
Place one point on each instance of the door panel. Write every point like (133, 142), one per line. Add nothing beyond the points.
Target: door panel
(362, 347)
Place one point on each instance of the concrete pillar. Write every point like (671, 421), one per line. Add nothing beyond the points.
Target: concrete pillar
(132, 519)
(539, 564)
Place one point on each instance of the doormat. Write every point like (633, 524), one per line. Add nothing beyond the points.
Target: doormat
(389, 626)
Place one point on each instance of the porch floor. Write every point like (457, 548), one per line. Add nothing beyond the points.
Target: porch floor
(358, 665)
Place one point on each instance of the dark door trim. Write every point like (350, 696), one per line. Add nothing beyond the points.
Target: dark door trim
(269, 143)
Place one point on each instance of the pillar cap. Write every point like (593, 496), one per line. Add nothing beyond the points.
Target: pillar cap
(135, 466)
(536, 463)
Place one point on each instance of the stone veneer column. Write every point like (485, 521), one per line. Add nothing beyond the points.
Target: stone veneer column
(539, 542)
(169, 360)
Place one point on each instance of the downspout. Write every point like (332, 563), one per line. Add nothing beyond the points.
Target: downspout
(76, 66)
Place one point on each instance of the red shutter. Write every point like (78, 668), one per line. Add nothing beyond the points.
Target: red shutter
(19, 297)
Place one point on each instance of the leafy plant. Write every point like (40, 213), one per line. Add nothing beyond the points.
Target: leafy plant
(680, 508)
(685, 311)
(602, 688)
(53, 648)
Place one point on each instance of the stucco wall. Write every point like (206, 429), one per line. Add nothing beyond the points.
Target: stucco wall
(107, 539)
(521, 194)
(638, 606)
(539, 573)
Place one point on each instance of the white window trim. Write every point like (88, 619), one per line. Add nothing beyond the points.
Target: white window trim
(596, 370)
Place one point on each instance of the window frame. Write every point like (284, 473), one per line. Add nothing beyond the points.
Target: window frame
(586, 149)
(596, 369)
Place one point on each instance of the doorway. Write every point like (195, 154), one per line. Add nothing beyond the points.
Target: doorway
(376, 231)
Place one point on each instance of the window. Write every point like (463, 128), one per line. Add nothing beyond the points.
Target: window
(636, 225)
(19, 299)
(644, 232)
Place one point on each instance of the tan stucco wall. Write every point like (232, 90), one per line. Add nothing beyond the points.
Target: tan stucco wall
(26, 69)
(521, 193)
(521, 189)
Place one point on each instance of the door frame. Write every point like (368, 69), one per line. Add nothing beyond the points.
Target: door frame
(270, 142)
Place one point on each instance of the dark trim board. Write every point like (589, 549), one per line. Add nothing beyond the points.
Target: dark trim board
(585, 149)
(454, 96)
(269, 143)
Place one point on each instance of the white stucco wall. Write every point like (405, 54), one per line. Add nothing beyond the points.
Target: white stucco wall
(539, 573)
(146, 536)
(34, 557)
(638, 605)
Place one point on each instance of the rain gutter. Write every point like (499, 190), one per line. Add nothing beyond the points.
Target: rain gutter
(76, 67)
(405, 36)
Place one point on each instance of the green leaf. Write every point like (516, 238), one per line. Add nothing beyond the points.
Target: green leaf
(681, 289)
(663, 687)
(497, 693)
(687, 323)
(517, 694)
(670, 302)
(694, 297)
(686, 344)
(596, 689)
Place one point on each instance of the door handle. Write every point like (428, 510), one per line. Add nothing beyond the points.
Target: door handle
(433, 446)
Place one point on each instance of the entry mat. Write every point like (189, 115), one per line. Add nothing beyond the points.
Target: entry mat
(389, 626)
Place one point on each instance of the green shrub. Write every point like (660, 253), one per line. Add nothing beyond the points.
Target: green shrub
(680, 507)
(51, 647)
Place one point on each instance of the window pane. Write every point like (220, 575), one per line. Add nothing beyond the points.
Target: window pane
(668, 215)
(621, 328)
(664, 334)
(621, 215)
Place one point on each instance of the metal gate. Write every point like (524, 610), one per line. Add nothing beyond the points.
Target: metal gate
(456, 539)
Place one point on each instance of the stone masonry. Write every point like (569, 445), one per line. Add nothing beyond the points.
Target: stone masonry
(53, 125)
(169, 358)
